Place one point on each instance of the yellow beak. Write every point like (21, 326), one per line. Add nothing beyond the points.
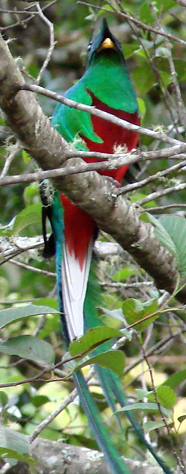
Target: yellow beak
(107, 43)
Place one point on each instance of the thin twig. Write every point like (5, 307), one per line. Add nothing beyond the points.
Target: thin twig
(161, 193)
(53, 415)
(5, 468)
(33, 269)
(137, 22)
(150, 179)
(167, 206)
(178, 103)
(30, 17)
(154, 349)
(10, 157)
(52, 42)
(99, 113)
(136, 284)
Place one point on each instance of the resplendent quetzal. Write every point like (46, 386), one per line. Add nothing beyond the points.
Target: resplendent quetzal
(105, 84)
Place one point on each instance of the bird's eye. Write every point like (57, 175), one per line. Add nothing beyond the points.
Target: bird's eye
(89, 46)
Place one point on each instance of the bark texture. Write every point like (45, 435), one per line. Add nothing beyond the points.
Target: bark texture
(53, 457)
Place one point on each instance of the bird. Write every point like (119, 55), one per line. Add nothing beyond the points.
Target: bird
(106, 85)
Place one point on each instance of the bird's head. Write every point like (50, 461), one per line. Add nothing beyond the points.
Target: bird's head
(104, 44)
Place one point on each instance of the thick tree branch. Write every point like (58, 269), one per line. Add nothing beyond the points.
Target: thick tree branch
(93, 193)
(61, 458)
(53, 457)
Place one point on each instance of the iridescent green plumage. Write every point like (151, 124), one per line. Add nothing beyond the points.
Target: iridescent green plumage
(115, 91)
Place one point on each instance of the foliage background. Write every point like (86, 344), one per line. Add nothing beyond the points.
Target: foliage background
(157, 66)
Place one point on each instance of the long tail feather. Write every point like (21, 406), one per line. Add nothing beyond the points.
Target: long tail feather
(112, 456)
(107, 388)
(110, 382)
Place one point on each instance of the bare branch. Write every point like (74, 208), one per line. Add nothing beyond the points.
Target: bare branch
(24, 12)
(33, 269)
(150, 179)
(9, 159)
(116, 162)
(52, 42)
(99, 113)
(162, 192)
(137, 22)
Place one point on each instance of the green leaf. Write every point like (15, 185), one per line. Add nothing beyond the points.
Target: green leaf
(166, 396)
(154, 425)
(130, 48)
(14, 446)
(162, 235)
(8, 316)
(165, 5)
(40, 400)
(27, 216)
(11, 454)
(166, 79)
(115, 313)
(125, 273)
(26, 157)
(146, 15)
(30, 193)
(149, 79)
(114, 360)
(182, 418)
(141, 394)
(49, 302)
(6, 230)
(92, 339)
(29, 347)
(144, 217)
(175, 379)
(175, 226)
(163, 52)
(3, 398)
(150, 407)
(135, 310)
(71, 364)
(142, 107)
(13, 440)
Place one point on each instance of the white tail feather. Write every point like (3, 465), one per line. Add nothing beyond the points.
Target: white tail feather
(74, 285)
